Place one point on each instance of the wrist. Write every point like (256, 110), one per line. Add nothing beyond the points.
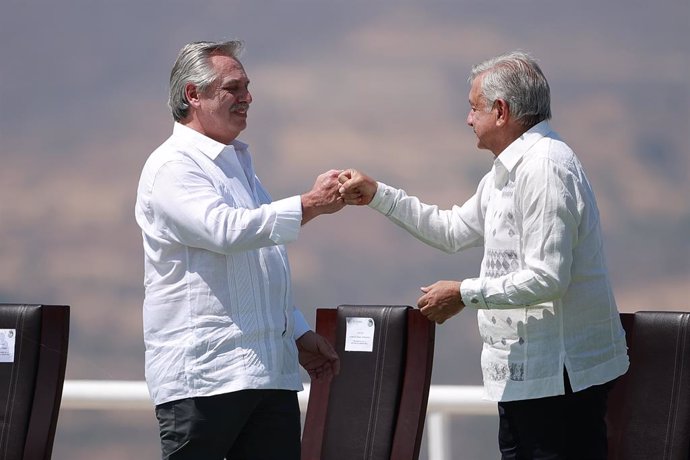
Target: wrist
(309, 210)
(299, 340)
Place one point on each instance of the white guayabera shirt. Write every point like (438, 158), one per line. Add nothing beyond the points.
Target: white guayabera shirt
(543, 295)
(218, 311)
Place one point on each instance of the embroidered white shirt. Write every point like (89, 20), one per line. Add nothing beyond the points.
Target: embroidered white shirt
(543, 295)
(218, 311)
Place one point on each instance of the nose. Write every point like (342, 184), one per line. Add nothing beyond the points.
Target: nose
(246, 97)
(469, 120)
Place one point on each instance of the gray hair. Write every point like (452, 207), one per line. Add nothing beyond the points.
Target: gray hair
(193, 66)
(516, 78)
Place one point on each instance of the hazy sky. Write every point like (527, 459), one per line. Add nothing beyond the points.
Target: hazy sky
(374, 84)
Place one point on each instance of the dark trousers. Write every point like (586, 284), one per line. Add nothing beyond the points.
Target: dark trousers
(243, 425)
(570, 426)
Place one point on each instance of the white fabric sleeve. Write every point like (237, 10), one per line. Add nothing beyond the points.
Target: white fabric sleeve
(448, 230)
(301, 325)
(195, 214)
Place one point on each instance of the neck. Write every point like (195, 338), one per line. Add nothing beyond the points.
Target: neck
(510, 134)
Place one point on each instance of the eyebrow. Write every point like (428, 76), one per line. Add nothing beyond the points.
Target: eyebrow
(235, 81)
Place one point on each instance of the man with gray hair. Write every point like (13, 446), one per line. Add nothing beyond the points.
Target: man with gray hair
(223, 338)
(552, 336)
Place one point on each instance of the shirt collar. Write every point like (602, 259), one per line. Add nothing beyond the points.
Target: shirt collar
(510, 157)
(209, 147)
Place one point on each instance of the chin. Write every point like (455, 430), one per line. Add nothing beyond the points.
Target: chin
(240, 126)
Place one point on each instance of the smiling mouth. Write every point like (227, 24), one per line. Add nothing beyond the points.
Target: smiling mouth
(240, 109)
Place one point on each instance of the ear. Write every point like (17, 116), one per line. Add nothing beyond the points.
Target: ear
(502, 112)
(191, 94)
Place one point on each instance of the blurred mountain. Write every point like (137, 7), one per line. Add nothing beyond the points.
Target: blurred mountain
(376, 85)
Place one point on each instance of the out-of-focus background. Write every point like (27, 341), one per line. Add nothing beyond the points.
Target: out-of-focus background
(378, 85)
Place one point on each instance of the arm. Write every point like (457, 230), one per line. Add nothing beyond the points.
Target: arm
(323, 198)
(195, 214)
(357, 188)
(317, 356)
(441, 301)
(447, 230)
(549, 202)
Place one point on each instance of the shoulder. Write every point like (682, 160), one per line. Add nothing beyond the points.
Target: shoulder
(170, 163)
(171, 152)
(550, 156)
(552, 148)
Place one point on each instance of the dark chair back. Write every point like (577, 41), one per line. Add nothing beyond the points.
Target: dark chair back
(375, 409)
(649, 408)
(33, 356)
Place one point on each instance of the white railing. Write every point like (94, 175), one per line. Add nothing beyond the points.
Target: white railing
(445, 401)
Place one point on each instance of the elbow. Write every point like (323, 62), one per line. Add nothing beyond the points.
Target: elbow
(550, 286)
(449, 248)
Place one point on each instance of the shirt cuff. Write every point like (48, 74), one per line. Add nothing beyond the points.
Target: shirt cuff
(288, 220)
(471, 292)
(301, 326)
(384, 199)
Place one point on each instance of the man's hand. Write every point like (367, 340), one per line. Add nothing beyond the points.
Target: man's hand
(357, 188)
(317, 356)
(441, 300)
(323, 198)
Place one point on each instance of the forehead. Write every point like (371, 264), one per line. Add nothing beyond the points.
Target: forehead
(476, 90)
(227, 67)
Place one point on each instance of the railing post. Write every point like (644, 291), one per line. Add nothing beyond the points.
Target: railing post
(439, 436)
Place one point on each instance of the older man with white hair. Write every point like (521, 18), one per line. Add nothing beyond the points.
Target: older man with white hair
(223, 338)
(553, 340)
